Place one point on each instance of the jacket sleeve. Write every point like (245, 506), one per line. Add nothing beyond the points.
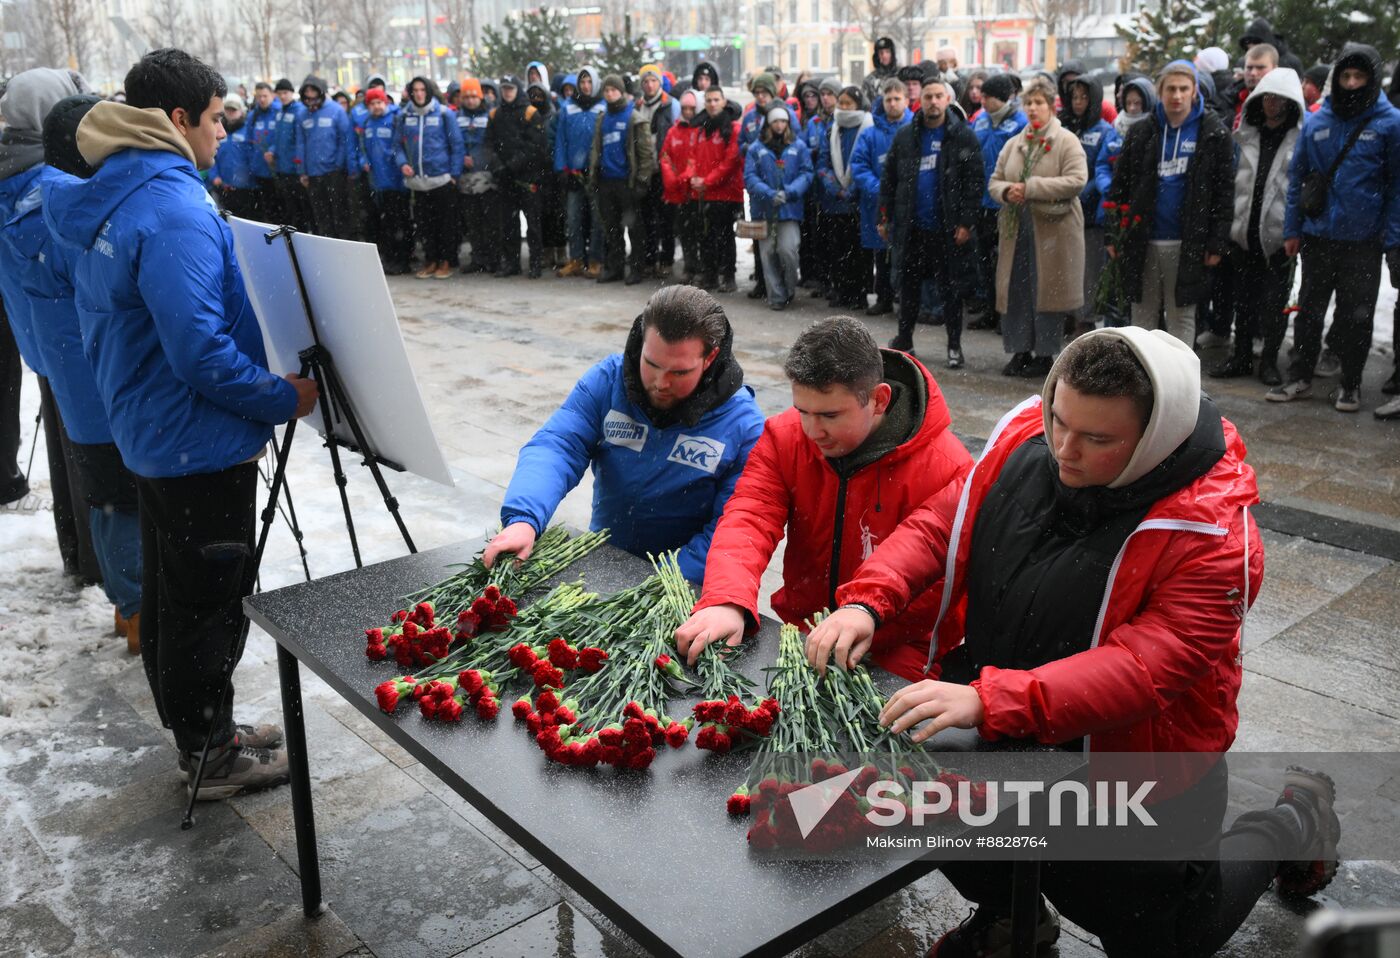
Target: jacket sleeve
(998, 184)
(347, 138)
(456, 150)
(910, 560)
(670, 176)
(1074, 171)
(753, 176)
(595, 152)
(400, 153)
(694, 553)
(1222, 194)
(864, 171)
(299, 145)
(181, 277)
(561, 140)
(889, 177)
(1390, 222)
(645, 153)
(554, 459)
(754, 521)
(798, 186)
(1104, 164)
(1120, 187)
(971, 179)
(1185, 626)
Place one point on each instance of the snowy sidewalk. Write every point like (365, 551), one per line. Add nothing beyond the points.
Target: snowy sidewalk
(95, 863)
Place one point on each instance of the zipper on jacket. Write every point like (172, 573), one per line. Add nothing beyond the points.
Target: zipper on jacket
(837, 532)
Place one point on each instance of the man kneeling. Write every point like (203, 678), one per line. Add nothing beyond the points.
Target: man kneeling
(866, 441)
(1103, 556)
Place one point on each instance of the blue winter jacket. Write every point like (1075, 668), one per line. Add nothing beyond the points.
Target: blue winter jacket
(14, 191)
(1094, 140)
(379, 147)
(233, 163)
(429, 142)
(1109, 147)
(763, 179)
(813, 135)
(655, 489)
(359, 118)
(867, 166)
(1363, 202)
(42, 268)
(992, 139)
(472, 127)
(325, 142)
(573, 137)
(284, 140)
(167, 326)
(828, 188)
(262, 132)
(752, 124)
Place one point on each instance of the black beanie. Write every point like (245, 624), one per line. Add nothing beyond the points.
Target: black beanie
(284, 84)
(999, 87)
(1318, 75)
(61, 135)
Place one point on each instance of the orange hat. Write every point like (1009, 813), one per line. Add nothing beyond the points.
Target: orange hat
(471, 86)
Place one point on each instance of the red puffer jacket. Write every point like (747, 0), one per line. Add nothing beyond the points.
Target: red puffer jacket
(832, 525)
(1162, 672)
(718, 162)
(678, 163)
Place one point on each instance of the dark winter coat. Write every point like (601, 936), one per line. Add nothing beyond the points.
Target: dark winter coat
(961, 181)
(1205, 213)
(516, 137)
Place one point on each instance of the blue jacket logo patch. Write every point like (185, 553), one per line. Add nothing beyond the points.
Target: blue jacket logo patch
(698, 452)
(620, 429)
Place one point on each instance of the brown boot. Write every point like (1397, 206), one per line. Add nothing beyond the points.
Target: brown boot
(572, 268)
(594, 270)
(118, 623)
(133, 634)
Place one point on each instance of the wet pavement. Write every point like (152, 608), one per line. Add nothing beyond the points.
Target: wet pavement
(95, 862)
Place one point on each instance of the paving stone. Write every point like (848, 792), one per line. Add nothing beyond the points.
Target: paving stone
(294, 936)
(1281, 715)
(413, 879)
(559, 931)
(1351, 660)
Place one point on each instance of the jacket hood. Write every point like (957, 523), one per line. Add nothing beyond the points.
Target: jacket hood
(1069, 66)
(1092, 115)
(76, 210)
(1284, 83)
(571, 79)
(1350, 103)
(110, 127)
(374, 78)
(718, 383)
(547, 105)
(490, 85)
(884, 43)
(916, 414)
(429, 85)
(706, 68)
(27, 101)
(582, 101)
(1175, 372)
(544, 72)
(318, 84)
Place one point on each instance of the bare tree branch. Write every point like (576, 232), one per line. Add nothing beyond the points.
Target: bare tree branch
(168, 23)
(367, 26)
(262, 19)
(321, 29)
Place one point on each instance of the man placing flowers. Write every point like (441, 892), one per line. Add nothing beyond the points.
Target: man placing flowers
(666, 427)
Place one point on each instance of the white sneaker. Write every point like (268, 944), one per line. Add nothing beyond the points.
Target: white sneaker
(1390, 410)
(27, 505)
(1289, 391)
(1209, 339)
(1346, 400)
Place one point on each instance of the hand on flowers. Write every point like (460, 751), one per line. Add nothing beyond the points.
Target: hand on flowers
(305, 180)
(1016, 193)
(517, 538)
(780, 198)
(1212, 259)
(946, 706)
(307, 393)
(884, 230)
(1291, 247)
(961, 235)
(1112, 252)
(406, 170)
(269, 157)
(844, 636)
(717, 623)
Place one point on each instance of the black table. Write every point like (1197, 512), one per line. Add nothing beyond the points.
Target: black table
(627, 836)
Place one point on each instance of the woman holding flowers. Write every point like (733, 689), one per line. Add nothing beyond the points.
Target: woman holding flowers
(1039, 175)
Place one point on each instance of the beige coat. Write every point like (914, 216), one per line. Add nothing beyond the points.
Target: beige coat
(1059, 240)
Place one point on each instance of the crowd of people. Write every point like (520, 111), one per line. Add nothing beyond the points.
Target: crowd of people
(1026, 222)
(983, 584)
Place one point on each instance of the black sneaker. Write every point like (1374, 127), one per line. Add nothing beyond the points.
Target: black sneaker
(989, 935)
(234, 769)
(263, 735)
(1233, 368)
(1037, 368)
(1312, 795)
(955, 358)
(1016, 366)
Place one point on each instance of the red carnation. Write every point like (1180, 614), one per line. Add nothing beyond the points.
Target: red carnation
(610, 736)
(521, 708)
(739, 803)
(522, 656)
(488, 706)
(492, 593)
(1123, 223)
(410, 629)
(676, 734)
(633, 710)
(709, 711)
(760, 722)
(562, 654)
(547, 701)
(641, 759)
(547, 676)
(735, 713)
(1109, 205)
(376, 652)
(399, 616)
(1136, 219)
(468, 624)
(565, 716)
(423, 612)
(635, 732)
(610, 755)
(470, 680)
(771, 706)
(450, 710)
(428, 706)
(591, 659)
(388, 695)
(507, 608)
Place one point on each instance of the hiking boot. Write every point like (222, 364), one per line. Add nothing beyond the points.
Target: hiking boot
(572, 268)
(1328, 365)
(593, 270)
(263, 735)
(234, 769)
(1346, 400)
(1312, 796)
(1390, 410)
(133, 634)
(428, 270)
(1289, 391)
(989, 936)
(443, 271)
